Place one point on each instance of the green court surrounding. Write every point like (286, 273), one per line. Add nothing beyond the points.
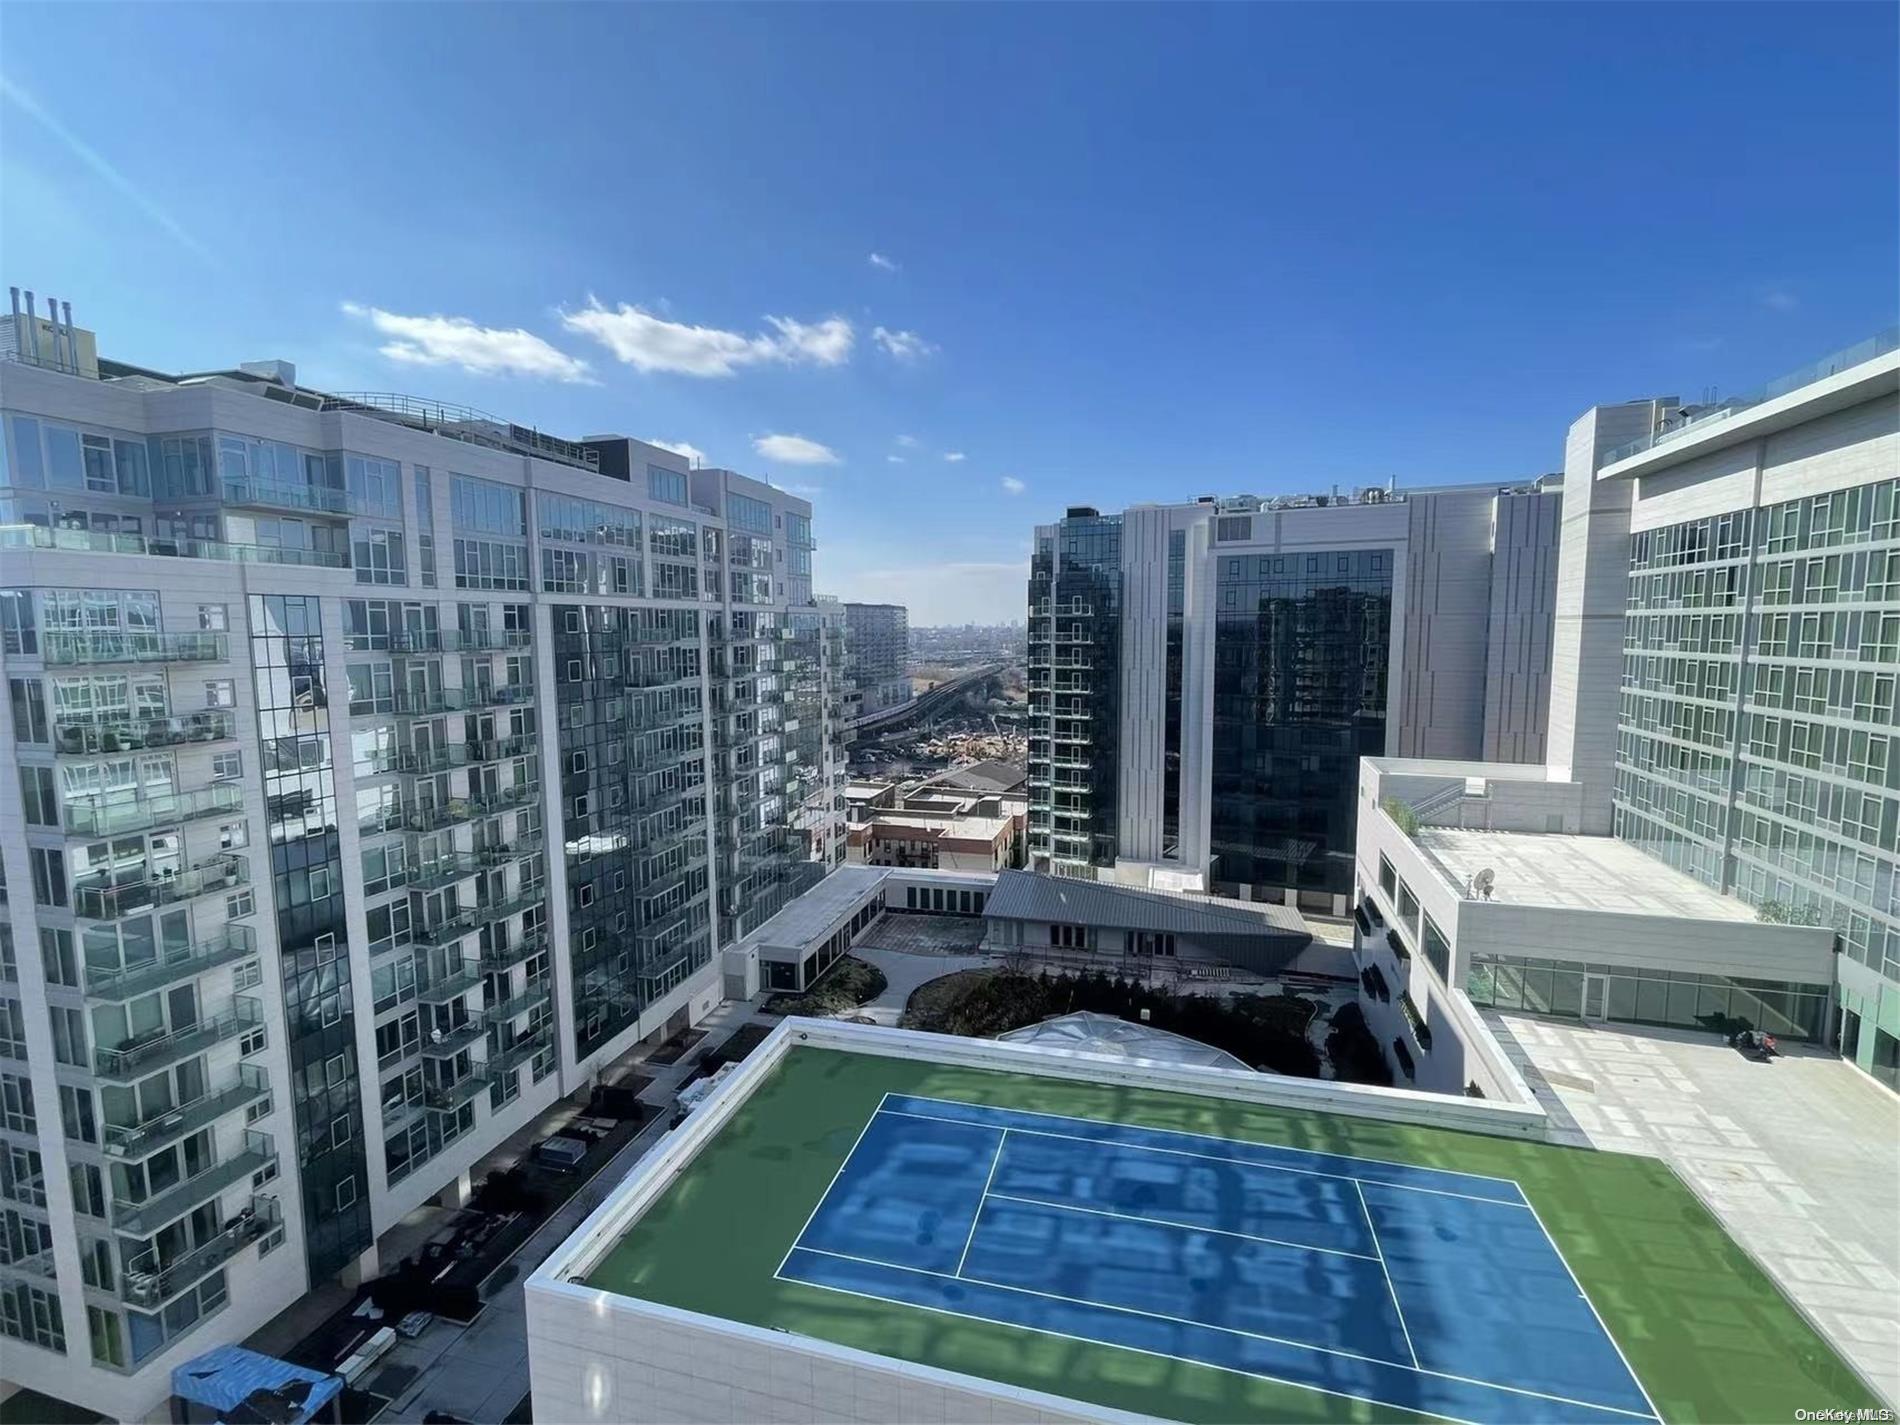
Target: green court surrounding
(1709, 1336)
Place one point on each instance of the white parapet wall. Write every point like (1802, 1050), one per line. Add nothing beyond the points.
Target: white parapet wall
(596, 1355)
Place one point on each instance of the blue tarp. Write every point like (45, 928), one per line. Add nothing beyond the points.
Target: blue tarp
(224, 1379)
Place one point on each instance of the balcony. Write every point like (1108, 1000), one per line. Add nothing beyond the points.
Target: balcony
(103, 817)
(501, 799)
(101, 646)
(452, 640)
(442, 871)
(500, 749)
(273, 495)
(138, 1057)
(447, 1043)
(208, 877)
(30, 536)
(513, 1007)
(142, 1219)
(475, 917)
(130, 734)
(526, 844)
(233, 943)
(159, 1130)
(454, 700)
(446, 1098)
(501, 1066)
(442, 988)
(148, 1283)
(493, 961)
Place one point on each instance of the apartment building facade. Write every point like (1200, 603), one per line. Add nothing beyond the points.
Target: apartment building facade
(1204, 677)
(1713, 838)
(879, 644)
(383, 771)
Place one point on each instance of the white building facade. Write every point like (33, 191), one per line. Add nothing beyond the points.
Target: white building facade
(383, 772)
(1713, 840)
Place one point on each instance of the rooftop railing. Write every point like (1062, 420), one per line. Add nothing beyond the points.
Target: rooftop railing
(1702, 418)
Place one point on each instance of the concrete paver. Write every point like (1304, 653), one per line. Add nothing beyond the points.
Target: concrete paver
(1800, 1159)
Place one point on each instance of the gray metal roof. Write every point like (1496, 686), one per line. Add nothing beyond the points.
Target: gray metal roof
(1025, 895)
(812, 916)
(985, 776)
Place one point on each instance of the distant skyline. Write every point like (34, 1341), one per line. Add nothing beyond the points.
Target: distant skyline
(948, 269)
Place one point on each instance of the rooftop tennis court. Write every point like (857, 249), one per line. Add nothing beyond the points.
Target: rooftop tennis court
(1190, 1258)
(1392, 1284)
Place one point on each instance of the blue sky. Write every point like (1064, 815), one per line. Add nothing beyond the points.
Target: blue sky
(1101, 254)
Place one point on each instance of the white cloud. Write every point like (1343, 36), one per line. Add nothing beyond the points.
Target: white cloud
(1780, 299)
(649, 343)
(887, 264)
(955, 457)
(907, 441)
(679, 447)
(804, 492)
(895, 459)
(457, 341)
(905, 346)
(826, 343)
(794, 450)
(1013, 486)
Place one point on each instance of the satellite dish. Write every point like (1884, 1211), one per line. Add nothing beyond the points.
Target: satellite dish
(1483, 881)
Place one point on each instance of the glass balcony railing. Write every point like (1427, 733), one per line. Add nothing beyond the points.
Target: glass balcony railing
(500, 749)
(446, 1098)
(143, 1218)
(149, 1281)
(33, 536)
(447, 1043)
(441, 988)
(442, 871)
(61, 649)
(502, 1065)
(121, 983)
(493, 961)
(1715, 412)
(435, 702)
(143, 1055)
(514, 1006)
(456, 926)
(115, 816)
(273, 495)
(166, 1126)
(131, 734)
(454, 640)
(219, 873)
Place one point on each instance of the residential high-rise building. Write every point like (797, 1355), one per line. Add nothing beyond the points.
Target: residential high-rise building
(879, 654)
(1204, 677)
(1712, 840)
(383, 770)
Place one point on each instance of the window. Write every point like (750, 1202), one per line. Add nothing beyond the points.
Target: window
(233, 835)
(378, 557)
(220, 693)
(667, 485)
(227, 766)
(212, 617)
(345, 1194)
(36, 794)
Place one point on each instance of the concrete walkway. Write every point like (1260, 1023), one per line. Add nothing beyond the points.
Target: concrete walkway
(904, 972)
(479, 1372)
(1800, 1159)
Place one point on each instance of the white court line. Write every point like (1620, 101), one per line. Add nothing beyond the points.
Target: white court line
(1391, 1290)
(1184, 1153)
(1179, 1226)
(982, 1197)
(1602, 1325)
(1216, 1138)
(832, 1184)
(1183, 1321)
(1112, 1346)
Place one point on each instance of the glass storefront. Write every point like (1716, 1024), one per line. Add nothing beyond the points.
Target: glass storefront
(1569, 989)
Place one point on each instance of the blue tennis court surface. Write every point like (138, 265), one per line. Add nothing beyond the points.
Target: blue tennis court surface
(1404, 1286)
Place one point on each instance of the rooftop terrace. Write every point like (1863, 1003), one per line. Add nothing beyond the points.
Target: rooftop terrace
(1575, 872)
(1112, 1245)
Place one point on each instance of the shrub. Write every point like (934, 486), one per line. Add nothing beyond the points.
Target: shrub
(1402, 815)
(1355, 1055)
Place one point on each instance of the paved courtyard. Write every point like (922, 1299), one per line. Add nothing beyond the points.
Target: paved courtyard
(1800, 1158)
